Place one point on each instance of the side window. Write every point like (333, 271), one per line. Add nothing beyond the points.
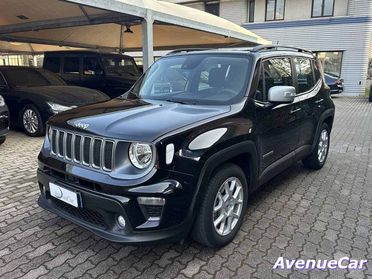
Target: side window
(276, 72)
(52, 64)
(71, 65)
(91, 66)
(304, 73)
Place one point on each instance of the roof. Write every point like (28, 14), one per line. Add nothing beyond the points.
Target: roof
(44, 25)
(21, 67)
(84, 51)
(261, 51)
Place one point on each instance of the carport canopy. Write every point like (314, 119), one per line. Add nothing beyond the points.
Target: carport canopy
(35, 26)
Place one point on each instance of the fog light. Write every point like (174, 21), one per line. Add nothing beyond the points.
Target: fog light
(121, 222)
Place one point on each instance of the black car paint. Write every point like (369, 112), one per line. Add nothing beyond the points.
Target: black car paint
(246, 142)
(17, 97)
(124, 119)
(112, 85)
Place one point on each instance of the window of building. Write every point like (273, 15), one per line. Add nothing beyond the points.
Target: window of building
(212, 7)
(71, 65)
(275, 9)
(276, 72)
(323, 8)
(304, 73)
(251, 7)
(331, 62)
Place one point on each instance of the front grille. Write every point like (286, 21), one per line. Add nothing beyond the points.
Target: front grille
(86, 150)
(83, 214)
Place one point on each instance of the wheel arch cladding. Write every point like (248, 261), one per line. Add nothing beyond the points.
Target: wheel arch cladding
(236, 154)
(329, 121)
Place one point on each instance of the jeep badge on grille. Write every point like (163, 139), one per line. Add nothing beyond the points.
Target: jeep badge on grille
(81, 125)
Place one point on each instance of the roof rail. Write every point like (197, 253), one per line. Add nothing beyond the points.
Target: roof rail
(276, 47)
(186, 50)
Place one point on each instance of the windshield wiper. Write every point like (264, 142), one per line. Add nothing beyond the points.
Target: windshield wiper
(179, 102)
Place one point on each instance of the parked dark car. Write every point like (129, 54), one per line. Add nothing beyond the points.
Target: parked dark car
(33, 95)
(113, 74)
(4, 120)
(184, 149)
(335, 83)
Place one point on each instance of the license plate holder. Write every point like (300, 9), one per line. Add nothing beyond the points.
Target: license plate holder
(65, 195)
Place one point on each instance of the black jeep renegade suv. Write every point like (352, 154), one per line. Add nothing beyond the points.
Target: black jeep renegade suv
(183, 149)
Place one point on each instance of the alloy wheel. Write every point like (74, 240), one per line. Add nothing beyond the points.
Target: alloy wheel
(30, 121)
(323, 146)
(228, 206)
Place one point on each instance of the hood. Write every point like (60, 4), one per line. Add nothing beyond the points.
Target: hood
(134, 120)
(66, 95)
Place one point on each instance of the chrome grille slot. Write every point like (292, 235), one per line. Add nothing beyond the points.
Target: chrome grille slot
(61, 145)
(77, 149)
(86, 150)
(98, 153)
(108, 155)
(68, 154)
(53, 142)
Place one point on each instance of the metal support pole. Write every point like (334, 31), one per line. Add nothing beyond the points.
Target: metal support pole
(147, 41)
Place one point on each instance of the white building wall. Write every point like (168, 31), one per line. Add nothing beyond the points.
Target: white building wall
(360, 7)
(234, 10)
(352, 39)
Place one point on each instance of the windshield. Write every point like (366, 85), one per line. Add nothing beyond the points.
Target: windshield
(30, 77)
(119, 65)
(195, 79)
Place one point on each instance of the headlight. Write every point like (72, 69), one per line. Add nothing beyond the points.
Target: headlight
(2, 101)
(140, 155)
(56, 108)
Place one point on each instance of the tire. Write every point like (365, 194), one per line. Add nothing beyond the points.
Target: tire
(316, 160)
(31, 121)
(2, 140)
(204, 231)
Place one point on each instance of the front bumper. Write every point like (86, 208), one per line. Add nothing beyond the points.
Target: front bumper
(4, 132)
(99, 211)
(337, 89)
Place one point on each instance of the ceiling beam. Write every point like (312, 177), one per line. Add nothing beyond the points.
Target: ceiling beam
(10, 38)
(66, 22)
(82, 9)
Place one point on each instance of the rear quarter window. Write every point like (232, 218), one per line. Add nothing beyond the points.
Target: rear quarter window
(71, 65)
(52, 64)
(304, 74)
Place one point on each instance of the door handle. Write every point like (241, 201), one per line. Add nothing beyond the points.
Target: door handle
(294, 111)
(319, 101)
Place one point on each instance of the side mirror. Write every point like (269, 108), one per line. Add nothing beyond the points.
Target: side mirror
(282, 94)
